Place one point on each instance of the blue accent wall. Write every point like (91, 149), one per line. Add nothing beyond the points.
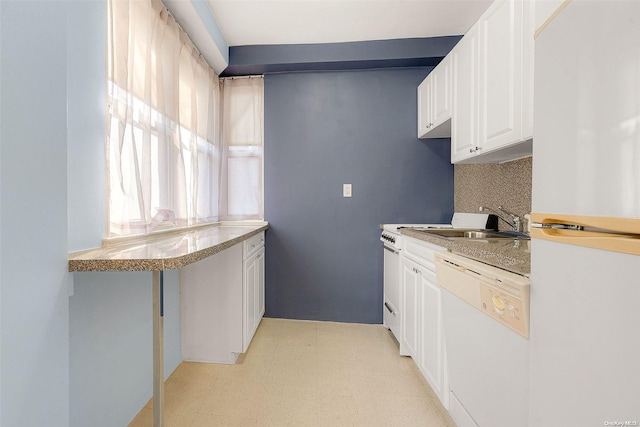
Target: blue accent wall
(322, 130)
(264, 59)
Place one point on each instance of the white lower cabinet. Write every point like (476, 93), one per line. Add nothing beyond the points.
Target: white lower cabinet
(422, 333)
(222, 302)
(211, 308)
(464, 121)
(431, 354)
(410, 313)
(253, 290)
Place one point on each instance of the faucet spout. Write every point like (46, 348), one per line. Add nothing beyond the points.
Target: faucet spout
(515, 223)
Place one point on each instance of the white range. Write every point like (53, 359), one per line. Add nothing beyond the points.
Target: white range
(391, 238)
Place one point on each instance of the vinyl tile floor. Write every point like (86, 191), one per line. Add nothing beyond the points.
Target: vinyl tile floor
(302, 373)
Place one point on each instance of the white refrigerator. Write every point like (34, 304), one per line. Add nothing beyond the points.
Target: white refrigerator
(585, 285)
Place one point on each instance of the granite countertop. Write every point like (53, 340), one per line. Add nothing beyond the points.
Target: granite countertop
(509, 254)
(164, 252)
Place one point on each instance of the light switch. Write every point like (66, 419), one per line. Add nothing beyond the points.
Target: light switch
(346, 190)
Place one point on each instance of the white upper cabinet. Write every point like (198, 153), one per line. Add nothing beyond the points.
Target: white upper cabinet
(434, 102)
(492, 112)
(529, 27)
(424, 107)
(464, 123)
(500, 34)
(441, 94)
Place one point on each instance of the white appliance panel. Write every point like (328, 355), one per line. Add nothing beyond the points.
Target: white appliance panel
(584, 336)
(586, 161)
(586, 151)
(488, 365)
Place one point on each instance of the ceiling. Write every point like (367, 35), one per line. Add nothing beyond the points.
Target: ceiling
(260, 22)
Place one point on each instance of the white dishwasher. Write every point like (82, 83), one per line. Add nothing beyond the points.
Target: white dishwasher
(485, 313)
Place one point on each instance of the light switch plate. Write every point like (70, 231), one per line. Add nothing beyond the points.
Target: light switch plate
(346, 190)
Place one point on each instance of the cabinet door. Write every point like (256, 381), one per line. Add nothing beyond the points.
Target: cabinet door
(425, 112)
(500, 75)
(434, 102)
(212, 308)
(528, 25)
(260, 284)
(409, 312)
(249, 300)
(431, 360)
(464, 125)
(441, 92)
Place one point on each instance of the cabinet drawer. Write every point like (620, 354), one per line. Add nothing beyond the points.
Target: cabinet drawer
(421, 252)
(253, 244)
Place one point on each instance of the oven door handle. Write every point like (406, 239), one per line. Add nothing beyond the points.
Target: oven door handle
(386, 304)
(390, 249)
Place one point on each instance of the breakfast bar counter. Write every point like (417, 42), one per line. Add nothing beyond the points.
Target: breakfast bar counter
(168, 251)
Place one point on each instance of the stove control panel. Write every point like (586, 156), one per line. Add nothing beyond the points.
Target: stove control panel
(388, 237)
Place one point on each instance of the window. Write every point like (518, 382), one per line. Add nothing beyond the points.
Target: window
(243, 141)
(168, 163)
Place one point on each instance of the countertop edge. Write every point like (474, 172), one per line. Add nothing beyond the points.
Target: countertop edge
(184, 260)
(487, 256)
(169, 263)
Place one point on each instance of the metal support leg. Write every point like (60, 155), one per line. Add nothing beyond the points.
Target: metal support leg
(158, 349)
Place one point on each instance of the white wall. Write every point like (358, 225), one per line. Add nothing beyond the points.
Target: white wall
(0, 220)
(111, 346)
(34, 281)
(86, 91)
(86, 359)
(196, 19)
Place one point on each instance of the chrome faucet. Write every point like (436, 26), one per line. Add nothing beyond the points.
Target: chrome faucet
(515, 222)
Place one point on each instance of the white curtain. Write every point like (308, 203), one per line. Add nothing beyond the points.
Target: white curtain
(163, 148)
(241, 190)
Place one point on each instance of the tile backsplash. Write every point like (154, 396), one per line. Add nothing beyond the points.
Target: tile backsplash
(492, 185)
